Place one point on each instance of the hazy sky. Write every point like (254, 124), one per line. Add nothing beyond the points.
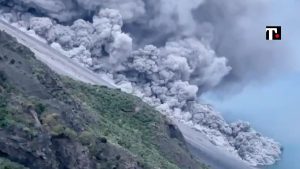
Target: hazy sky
(276, 100)
(273, 106)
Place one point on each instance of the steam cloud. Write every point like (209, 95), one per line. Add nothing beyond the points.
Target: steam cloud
(196, 47)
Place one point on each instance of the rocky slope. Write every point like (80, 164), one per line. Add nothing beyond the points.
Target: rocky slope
(52, 122)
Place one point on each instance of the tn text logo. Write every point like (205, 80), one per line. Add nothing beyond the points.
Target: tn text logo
(273, 32)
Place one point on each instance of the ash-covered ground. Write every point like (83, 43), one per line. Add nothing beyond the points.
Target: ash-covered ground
(167, 52)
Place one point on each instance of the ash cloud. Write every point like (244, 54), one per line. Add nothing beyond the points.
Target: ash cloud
(167, 52)
(66, 11)
(234, 29)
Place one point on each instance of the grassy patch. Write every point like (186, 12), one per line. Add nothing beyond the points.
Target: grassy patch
(7, 164)
(6, 118)
(39, 108)
(126, 121)
(54, 123)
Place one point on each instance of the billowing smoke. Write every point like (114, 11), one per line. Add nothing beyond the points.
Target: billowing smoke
(233, 29)
(70, 10)
(168, 52)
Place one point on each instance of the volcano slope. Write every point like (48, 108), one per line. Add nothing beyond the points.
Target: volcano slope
(53, 122)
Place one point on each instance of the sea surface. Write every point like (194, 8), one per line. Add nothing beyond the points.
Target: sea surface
(273, 109)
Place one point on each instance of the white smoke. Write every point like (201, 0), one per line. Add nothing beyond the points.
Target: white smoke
(190, 54)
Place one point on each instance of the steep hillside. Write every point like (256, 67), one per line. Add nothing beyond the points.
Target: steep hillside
(52, 122)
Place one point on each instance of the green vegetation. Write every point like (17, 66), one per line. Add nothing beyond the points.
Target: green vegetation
(7, 164)
(128, 122)
(5, 118)
(39, 108)
(51, 122)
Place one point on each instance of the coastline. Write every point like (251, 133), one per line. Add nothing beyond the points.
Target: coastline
(209, 154)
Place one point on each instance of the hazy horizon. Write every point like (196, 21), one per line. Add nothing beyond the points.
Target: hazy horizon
(272, 106)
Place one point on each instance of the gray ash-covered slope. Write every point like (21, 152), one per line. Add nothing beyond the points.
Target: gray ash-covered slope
(52, 122)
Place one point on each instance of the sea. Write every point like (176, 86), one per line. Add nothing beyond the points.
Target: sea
(272, 108)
